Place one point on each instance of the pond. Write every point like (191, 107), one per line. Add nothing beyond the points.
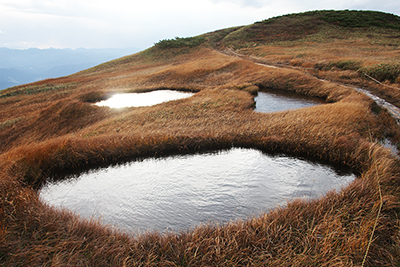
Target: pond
(179, 192)
(273, 101)
(143, 99)
(266, 100)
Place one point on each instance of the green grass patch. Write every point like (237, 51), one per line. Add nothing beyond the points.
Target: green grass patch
(360, 19)
(382, 72)
(344, 65)
(324, 24)
(181, 42)
(346, 18)
(36, 89)
(9, 123)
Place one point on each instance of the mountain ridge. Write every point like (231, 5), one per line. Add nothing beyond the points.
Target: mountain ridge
(20, 66)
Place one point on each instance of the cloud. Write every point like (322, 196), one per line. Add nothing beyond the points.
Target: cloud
(120, 23)
(244, 3)
(41, 7)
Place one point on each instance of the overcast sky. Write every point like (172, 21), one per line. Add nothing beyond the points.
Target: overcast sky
(121, 24)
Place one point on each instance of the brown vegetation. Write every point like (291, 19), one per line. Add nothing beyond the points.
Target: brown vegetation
(319, 53)
(51, 128)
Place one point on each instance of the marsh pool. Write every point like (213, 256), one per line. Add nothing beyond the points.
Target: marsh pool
(266, 101)
(143, 99)
(179, 192)
(273, 101)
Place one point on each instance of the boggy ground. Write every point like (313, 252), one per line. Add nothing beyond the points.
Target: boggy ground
(51, 128)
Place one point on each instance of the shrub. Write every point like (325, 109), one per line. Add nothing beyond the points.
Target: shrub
(180, 42)
(382, 72)
(344, 65)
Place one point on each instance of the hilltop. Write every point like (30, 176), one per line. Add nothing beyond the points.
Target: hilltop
(50, 129)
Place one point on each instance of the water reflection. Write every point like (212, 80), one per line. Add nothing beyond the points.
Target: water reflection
(272, 101)
(143, 99)
(179, 192)
(389, 145)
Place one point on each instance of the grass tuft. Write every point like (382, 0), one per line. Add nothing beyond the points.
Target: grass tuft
(344, 65)
(382, 72)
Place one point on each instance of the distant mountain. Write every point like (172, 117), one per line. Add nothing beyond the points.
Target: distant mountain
(12, 77)
(29, 65)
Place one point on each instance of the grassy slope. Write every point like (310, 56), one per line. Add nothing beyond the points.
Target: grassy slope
(339, 46)
(50, 127)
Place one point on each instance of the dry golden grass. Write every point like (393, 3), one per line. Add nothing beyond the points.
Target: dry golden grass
(57, 130)
(366, 47)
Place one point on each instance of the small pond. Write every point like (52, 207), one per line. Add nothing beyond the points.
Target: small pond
(273, 101)
(266, 101)
(143, 99)
(179, 192)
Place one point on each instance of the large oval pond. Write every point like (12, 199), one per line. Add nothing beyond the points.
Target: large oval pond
(179, 192)
(273, 101)
(143, 99)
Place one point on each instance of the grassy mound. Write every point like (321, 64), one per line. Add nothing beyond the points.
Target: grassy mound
(297, 26)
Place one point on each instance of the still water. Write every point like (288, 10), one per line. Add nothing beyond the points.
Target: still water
(266, 101)
(273, 101)
(143, 99)
(179, 192)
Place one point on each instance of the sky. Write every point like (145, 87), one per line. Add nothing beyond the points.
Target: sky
(141, 23)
